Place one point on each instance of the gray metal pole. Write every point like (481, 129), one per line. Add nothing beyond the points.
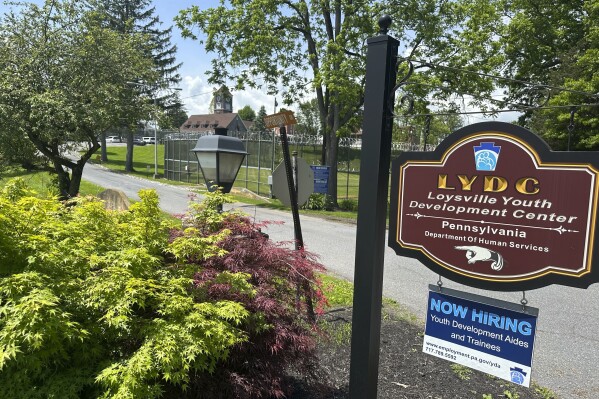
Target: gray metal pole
(372, 213)
(259, 159)
(247, 160)
(155, 140)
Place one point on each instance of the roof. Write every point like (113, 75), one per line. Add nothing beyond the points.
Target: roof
(195, 123)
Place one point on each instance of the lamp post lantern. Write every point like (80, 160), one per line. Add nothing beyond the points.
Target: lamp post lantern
(220, 158)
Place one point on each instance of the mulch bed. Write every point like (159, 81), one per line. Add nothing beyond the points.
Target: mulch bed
(405, 372)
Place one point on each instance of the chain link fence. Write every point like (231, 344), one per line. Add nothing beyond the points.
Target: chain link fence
(265, 154)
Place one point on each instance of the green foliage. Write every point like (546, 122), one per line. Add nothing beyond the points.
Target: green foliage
(139, 17)
(308, 118)
(348, 205)
(89, 308)
(173, 118)
(546, 393)
(44, 182)
(338, 292)
(15, 149)
(100, 303)
(55, 93)
(247, 113)
(205, 215)
(559, 41)
(259, 125)
(317, 48)
(319, 202)
(274, 52)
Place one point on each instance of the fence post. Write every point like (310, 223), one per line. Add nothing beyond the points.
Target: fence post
(259, 160)
(372, 212)
(247, 160)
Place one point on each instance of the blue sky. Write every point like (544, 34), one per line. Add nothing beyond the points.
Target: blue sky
(196, 93)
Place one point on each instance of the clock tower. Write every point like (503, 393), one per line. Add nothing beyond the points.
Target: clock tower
(223, 101)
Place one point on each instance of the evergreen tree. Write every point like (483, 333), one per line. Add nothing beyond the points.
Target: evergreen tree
(259, 125)
(137, 16)
(173, 119)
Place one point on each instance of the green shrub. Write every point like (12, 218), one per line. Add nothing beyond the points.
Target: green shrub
(348, 205)
(97, 303)
(319, 202)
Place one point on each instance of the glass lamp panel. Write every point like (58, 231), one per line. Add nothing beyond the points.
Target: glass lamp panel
(229, 166)
(207, 162)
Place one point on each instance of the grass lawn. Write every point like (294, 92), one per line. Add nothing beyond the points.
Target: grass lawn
(43, 182)
(143, 159)
(250, 178)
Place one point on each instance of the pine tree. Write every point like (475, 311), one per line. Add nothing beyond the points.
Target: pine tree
(138, 16)
(259, 125)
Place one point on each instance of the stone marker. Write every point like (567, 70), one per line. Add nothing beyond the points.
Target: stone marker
(114, 199)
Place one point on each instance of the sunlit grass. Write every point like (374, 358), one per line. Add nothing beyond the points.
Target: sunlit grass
(43, 182)
(143, 159)
(251, 178)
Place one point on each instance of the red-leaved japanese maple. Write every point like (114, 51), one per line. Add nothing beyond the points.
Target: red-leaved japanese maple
(280, 331)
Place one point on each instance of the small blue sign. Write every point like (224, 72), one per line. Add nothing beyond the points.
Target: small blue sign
(321, 178)
(489, 335)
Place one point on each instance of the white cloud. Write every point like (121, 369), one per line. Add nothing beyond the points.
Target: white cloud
(196, 94)
(255, 99)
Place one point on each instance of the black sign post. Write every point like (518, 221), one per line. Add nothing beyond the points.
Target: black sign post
(372, 212)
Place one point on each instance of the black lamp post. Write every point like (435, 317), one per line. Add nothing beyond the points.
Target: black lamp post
(220, 158)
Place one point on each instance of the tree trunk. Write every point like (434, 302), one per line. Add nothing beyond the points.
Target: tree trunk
(129, 157)
(69, 183)
(323, 155)
(104, 155)
(64, 180)
(333, 153)
(76, 175)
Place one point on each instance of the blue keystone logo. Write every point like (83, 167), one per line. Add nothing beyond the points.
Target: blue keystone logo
(486, 156)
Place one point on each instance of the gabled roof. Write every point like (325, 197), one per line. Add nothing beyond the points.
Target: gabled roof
(210, 121)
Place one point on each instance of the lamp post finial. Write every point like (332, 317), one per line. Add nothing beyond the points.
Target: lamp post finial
(384, 23)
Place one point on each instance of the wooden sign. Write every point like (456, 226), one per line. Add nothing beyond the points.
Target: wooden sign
(494, 208)
(284, 118)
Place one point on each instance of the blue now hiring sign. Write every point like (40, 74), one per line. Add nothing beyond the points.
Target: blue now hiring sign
(321, 178)
(489, 335)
